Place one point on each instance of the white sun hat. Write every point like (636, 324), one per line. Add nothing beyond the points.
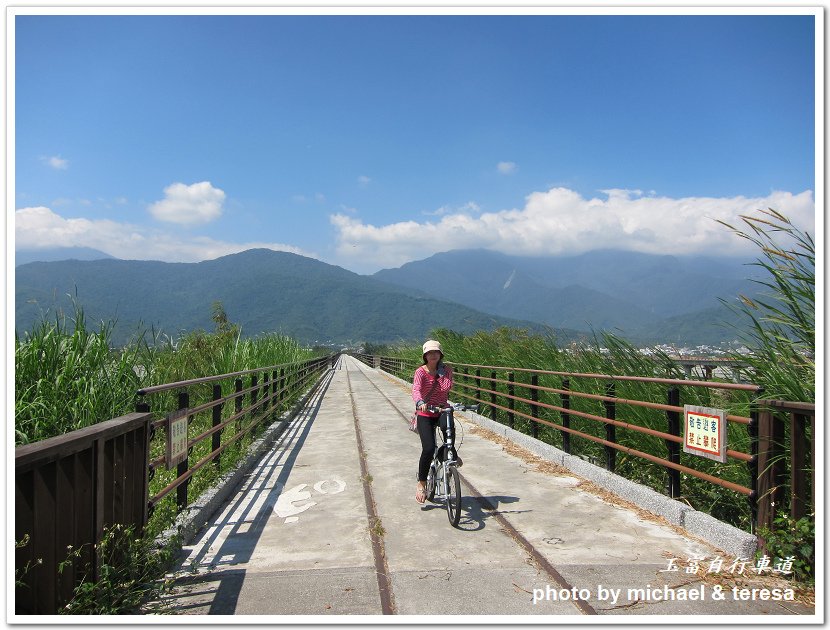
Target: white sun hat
(432, 345)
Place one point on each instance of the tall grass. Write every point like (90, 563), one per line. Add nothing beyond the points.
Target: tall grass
(68, 377)
(782, 335)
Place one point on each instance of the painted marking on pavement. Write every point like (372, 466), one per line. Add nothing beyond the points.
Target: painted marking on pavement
(287, 504)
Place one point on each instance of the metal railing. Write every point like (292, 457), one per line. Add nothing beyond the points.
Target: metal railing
(257, 396)
(577, 410)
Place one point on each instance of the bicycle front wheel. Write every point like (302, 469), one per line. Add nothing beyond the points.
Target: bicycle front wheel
(431, 482)
(453, 487)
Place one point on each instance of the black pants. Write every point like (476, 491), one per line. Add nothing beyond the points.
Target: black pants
(426, 429)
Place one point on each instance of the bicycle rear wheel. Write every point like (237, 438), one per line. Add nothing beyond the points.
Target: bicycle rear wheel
(453, 487)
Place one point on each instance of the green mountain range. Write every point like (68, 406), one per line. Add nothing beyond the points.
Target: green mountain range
(644, 298)
(261, 290)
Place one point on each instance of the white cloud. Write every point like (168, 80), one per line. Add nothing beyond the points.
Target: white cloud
(189, 205)
(560, 221)
(41, 228)
(506, 168)
(56, 162)
(467, 208)
(364, 181)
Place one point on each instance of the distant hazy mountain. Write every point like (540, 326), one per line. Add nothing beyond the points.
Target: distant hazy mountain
(23, 256)
(263, 290)
(643, 297)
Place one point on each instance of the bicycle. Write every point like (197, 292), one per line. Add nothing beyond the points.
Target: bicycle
(443, 481)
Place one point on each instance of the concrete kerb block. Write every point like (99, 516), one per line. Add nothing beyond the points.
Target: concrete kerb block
(723, 536)
(589, 471)
(673, 511)
(193, 518)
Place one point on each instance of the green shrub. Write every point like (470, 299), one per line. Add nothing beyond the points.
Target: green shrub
(129, 568)
(794, 541)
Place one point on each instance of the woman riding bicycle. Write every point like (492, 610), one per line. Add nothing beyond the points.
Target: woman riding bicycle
(430, 387)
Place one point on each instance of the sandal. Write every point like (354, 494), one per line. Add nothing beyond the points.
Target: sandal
(421, 494)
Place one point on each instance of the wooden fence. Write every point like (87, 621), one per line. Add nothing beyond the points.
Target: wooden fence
(786, 459)
(67, 490)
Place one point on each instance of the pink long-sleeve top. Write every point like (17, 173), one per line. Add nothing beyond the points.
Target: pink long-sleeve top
(423, 382)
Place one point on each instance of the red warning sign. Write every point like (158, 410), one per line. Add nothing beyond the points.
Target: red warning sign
(705, 432)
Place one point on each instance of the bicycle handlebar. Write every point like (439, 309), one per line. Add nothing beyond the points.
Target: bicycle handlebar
(454, 407)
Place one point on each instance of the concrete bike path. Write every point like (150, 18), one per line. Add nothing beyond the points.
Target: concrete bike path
(294, 539)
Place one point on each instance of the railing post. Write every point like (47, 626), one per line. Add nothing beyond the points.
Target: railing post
(275, 406)
(770, 466)
(493, 396)
(263, 397)
(466, 379)
(237, 402)
(813, 460)
(254, 393)
(181, 469)
(511, 402)
(534, 408)
(752, 464)
(566, 417)
(610, 429)
(673, 417)
(296, 380)
(216, 438)
(269, 399)
(281, 396)
(144, 407)
(798, 455)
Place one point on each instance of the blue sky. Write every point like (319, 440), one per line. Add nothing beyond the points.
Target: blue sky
(370, 140)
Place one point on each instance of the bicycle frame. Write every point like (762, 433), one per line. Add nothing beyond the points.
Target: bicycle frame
(448, 447)
(446, 486)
